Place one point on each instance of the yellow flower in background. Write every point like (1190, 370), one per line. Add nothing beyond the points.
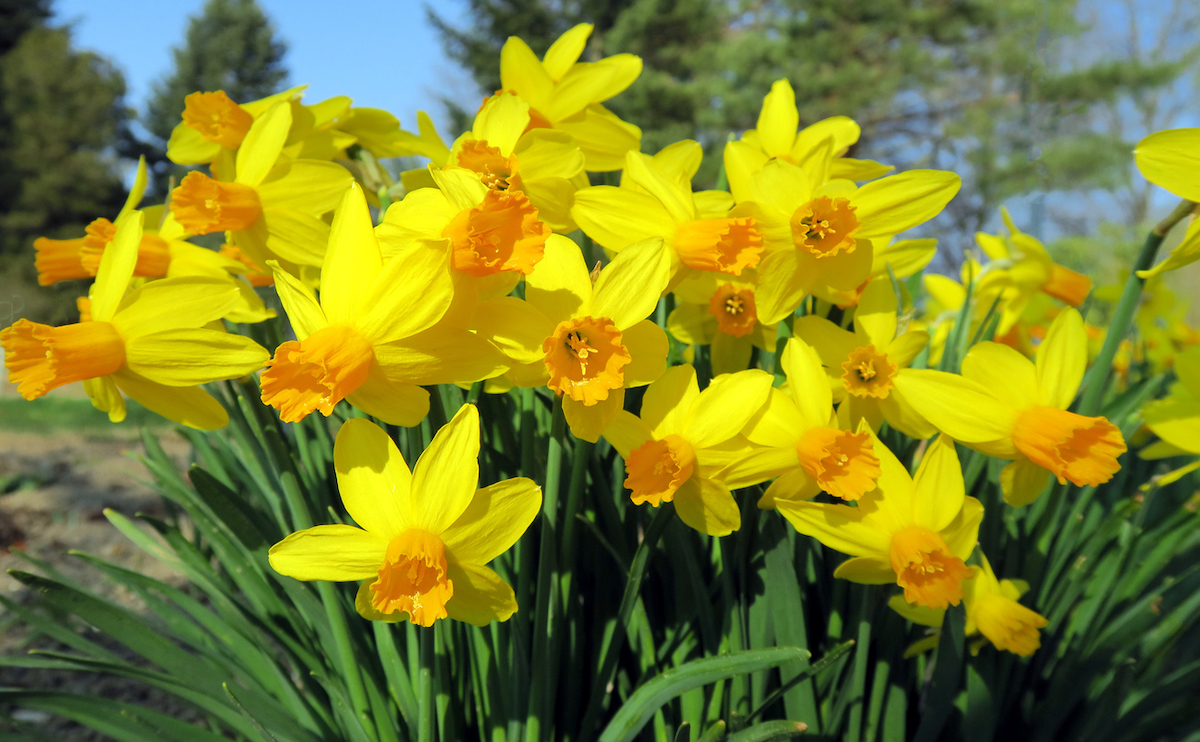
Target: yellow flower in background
(819, 148)
(1005, 406)
(367, 340)
(799, 440)
(992, 610)
(892, 257)
(1176, 418)
(213, 122)
(565, 94)
(588, 343)
(721, 313)
(150, 344)
(273, 205)
(1171, 159)
(863, 367)
(666, 449)
(817, 238)
(655, 201)
(423, 537)
(915, 532)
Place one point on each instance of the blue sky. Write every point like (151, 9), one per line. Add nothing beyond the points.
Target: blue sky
(381, 53)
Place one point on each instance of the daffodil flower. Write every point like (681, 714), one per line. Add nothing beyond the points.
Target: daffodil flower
(992, 610)
(915, 532)
(423, 537)
(720, 313)
(817, 238)
(369, 339)
(150, 344)
(273, 205)
(565, 94)
(1006, 407)
(653, 201)
(213, 125)
(587, 343)
(798, 440)
(1171, 159)
(819, 148)
(863, 366)
(666, 449)
(1176, 418)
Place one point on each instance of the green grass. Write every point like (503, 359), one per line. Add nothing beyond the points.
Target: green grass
(51, 414)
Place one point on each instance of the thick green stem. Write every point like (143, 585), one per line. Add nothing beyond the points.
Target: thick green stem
(427, 708)
(1096, 381)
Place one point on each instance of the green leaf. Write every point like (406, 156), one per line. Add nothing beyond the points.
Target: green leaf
(769, 731)
(123, 721)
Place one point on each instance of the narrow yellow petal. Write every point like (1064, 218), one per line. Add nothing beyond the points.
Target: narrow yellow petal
(642, 171)
(565, 50)
(669, 399)
(522, 73)
(647, 345)
(1062, 359)
(447, 473)
(191, 356)
(116, 266)
(175, 303)
(410, 294)
(898, 202)
(335, 552)
(839, 527)
(725, 406)
(938, 490)
(560, 285)
(310, 186)
(627, 432)
(497, 516)
(480, 595)
(501, 122)
(866, 571)
(1004, 372)
(1023, 481)
(394, 402)
(618, 217)
(588, 423)
(875, 316)
(778, 120)
(808, 383)
(190, 406)
(302, 308)
(708, 506)
(1171, 159)
(352, 260)
(373, 479)
(959, 407)
(629, 287)
(441, 355)
(263, 144)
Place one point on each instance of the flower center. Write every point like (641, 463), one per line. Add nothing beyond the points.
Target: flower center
(154, 257)
(40, 358)
(725, 245)
(868, 373)
(825, 226)
(317, 372)
(930, 575)
(585, 359)
(1081, 449)
(497, 172)
(656, 469)
(217, 118)
(1006, 623)
(734, 309)
(842, 462)
(502, 233)
(1067, 285)
(413, 578)
(202, 205)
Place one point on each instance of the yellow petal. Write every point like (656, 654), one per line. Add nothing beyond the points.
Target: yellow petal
(905, 257)
(463, 188)
(779, 422)
(447, 473)
(560, 285)
(190, 406)
(588, 423)
(423, 214)
(303, 311)
(725, 406)
(106, 397)
(565, 50)
(515, 326)
(187, 357)
(603, 138)
(1004, 372)
(963, 534)
(313, 187)
(959, 407)
(629, 287)
(947, 292)
(263, 144)
(647, 345)
(116, 266)
(410, 294)
(839, 527)
(1171, 159)
(591, 82)
(394, 402)
(1175, 419)
(938, 490)
(292, 235)
(373, 479)
(792, 485)
(898, 202)
(692, 324)
(352, 260)
(742, 161)
(680, 161)
(783, 186)
(842, 130)
(362, 604)
(784, 278)
(778, 120)
(833, 344)
(754, 465)
(187, 147)
(618, 217)
(1023, 481)
(708, 506)
(626, 433)
(1062, 359)
(335, 552)
(501, 121)
(905, 348)
(668, 401)
(522, 73)
(440, 355)
(174, 303)
(875, 316)
(1185, 253)
(496, 518)
(866, 571)
(644, 173)
(808, 383)
(730, 354)
(901, 415)
(480, 596)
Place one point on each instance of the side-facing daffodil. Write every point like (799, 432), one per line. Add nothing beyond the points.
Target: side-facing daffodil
(586, 342)
(666, 449)
(272, 205)
(214, 126)
(1171, 159)
(365, 340)
(863, 365)
(915, 532)
(423, 537)
(799, 440)
(150, 344)
(565, 94)
(720, 313)
(1031, 269)
(1005, 406)
(992, 610)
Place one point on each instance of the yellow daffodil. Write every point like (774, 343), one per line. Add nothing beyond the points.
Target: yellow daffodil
(720, 313)
(992, 610)
(864, 366)
(366, 340)
(587, 342)
(819, 148)
(1005, 406)
(214, 125)
(899, 258)
(915, 532)
(666, 449)
(1171, 159)
(565, 94)
(1176, 418)
(273, 206)
(799, 440)
(150, 344)
(653, 201)
(423, 537)
(817, 238)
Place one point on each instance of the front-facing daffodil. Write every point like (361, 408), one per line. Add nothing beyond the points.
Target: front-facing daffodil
(1171, 159)
(366, 341)
(588, 343)
(666, 449)
(151, 344)
(722, 314)
(915, 532)
(423, 536)
(1005, 406)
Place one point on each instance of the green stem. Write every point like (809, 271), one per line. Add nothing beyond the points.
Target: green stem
(1096, 381)
(427, 708)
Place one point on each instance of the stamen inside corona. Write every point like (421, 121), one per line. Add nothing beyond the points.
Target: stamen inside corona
(585, 359)
(497, 172)
(1081, 449)
(656, 469)
(40, 358)
(316, 373)
(217, 118)
(502, 233)
(868, 373)
(725, 245)
(413, 578)
(843, 463)
(930, 575)
(202, 205)
(825, 226)
(734, 309)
